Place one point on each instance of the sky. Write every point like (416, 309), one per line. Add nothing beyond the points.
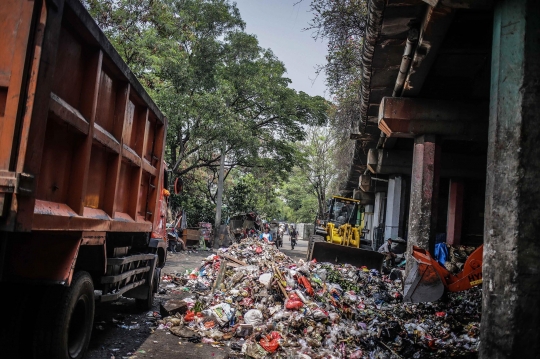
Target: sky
(278, 25)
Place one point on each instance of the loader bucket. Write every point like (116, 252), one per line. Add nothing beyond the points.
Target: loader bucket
(423, 283)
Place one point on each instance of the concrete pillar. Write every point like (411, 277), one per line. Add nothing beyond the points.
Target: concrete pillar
(378, 215)
(404, 207)
(393, 207)
(455, 212)
(511, 264)
(424, 194)
(368, 221)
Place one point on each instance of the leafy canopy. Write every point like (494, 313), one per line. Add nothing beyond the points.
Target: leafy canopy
(219, 89)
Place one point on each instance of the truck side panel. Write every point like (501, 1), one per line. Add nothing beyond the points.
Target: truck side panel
(100, 138)
(15, 28)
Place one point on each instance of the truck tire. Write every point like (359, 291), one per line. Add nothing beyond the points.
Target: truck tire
(65, 320)
(148, 303)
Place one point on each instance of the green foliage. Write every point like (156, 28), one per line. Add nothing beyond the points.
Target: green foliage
(254, 192)
(221, 93)
(217, 86)
(342, 23)
(300, 201)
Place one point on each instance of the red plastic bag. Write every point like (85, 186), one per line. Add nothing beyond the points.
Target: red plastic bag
(294, 302)
(258, 250)
(306, 284)
(189, 316)
(270, 343)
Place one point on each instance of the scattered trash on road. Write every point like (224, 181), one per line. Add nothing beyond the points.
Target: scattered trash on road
(260, 303)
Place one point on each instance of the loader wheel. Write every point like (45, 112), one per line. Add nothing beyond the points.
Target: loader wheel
(65, 320)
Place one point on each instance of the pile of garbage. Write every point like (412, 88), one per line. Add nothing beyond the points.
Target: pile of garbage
(457, 257)
(259, 302)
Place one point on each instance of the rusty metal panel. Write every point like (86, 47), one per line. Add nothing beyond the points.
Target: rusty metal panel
(96, 137)
(15, 24)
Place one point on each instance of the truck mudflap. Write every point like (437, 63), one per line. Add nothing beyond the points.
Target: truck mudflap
(125, 275)
(335, 253)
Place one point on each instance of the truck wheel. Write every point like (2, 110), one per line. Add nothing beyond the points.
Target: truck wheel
(148, 303)
(66, 319)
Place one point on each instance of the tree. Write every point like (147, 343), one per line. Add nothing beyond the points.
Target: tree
(300, 203)
(342, 23)
(217, 86)
(319, 167)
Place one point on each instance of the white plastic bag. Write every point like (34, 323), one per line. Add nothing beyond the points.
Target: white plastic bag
(253, 317)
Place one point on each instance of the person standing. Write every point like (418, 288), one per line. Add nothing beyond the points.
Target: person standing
(266, 236)
(386, 249)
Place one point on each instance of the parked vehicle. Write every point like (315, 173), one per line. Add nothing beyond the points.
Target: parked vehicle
(83, 185)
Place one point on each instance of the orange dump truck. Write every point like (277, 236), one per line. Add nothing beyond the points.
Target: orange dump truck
(82, 179)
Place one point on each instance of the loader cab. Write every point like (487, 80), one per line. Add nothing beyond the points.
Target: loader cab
(343, 210)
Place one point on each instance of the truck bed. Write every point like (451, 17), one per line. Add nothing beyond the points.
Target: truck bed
(81, 142)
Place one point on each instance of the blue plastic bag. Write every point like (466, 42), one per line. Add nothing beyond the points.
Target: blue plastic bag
(441, 253)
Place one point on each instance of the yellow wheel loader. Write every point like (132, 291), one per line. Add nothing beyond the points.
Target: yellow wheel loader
(342, 223)
(338, 233)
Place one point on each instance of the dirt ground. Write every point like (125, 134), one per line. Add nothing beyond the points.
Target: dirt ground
(123, 331)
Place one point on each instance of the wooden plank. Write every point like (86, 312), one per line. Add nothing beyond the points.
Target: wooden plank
(157, 155)
(232, 259)
(113, 170)
(220, 276)
(15, 29)
(149, 168)
(30, 162)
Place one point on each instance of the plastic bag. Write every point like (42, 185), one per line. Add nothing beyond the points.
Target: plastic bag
(320, 314)
(270, 343)
(246, 302)
(222, 312)
(253, 317)
(306, 284)
(294, 302)
(254, 350)
(265, 279)
(190, 316)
